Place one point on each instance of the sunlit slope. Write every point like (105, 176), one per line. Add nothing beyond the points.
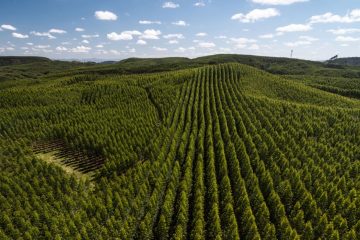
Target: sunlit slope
(258, 83)
(217, 152)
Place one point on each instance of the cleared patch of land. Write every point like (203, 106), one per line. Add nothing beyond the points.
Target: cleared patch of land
(54, 158)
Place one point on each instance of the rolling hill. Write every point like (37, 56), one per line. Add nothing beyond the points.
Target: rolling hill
(217, 147)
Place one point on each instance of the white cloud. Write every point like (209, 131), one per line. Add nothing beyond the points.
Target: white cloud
(267, 36)
(99, 46)
(221, 37)
(180, 50)
(201, 34)
(308, 38)
(254, 47)
(90, 36)
(278, 2)
(147, 22)
(160, 49)
(132, 32)
(85, 41)
(342, 31)
(176, 35)
(180, 23)
(19, 35)
(43, 34)
(117, 37)
(199, 4)
(346, 39)
(297, 43)
(79, 29)
(80, 49)
(115, 52)
(141, 42)
(170, 5)
(294, 28)
(173, 42)
(105, 15)
(58, 31)
(42, 46)
(303, 40)
(353, 16)
(60, 48)
(206, 45)
(30, 44)
(255, 15)
(8, 27)
(242, 42)
(151, 34)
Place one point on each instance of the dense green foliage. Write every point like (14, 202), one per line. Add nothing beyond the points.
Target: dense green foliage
(5, 61)
(223, 151)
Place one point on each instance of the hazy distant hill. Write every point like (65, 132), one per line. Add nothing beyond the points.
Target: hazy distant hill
(351, 61)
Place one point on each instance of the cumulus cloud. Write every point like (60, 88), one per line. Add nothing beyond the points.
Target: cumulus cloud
(141, 42)
(346, 39)
(42, 34)
(242, 42)
(170, 5)
(80, 49)
(295, 28)
(8, 27)
(105, 15)
(207, 44)
(173, 41)
(256, 15)
(151, 34)
(201, 34)
(308, 38)
(176, 35)
(61, 49)
(254, 47)
(303, 40)
(79, 29)
(99, 46)
(147, 22)
(351, 17)
(125, 35)
(90, 36)
(180, 50)
(19, 35)
(199, 4)
(342, 31)
(278, 2)
(85, 41)
(58, 31)
(117, 37)
(297, 43)
(267, 36)
(180, 23)
(42, 46)
(160, 49)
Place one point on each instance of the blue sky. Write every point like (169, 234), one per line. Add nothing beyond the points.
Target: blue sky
(118, 29)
